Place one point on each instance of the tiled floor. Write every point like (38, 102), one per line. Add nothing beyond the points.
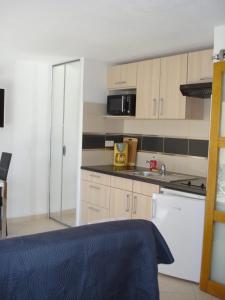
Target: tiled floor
(177, 289)
(170, 288)
(25, 226)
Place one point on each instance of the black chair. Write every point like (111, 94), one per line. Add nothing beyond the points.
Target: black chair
(4, 168)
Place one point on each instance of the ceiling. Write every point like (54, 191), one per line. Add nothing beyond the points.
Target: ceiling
(108, 30)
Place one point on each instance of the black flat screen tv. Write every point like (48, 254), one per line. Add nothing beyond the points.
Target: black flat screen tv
(2, 93)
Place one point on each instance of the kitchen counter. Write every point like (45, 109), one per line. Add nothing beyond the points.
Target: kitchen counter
(123, 172)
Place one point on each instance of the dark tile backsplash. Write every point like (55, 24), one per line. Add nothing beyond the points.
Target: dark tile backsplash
(152, 143)
(93, 141)
(176, 146)
(117, 138)
(198, 148)
(180, 146)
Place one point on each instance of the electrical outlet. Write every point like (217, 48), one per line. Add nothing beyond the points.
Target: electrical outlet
(109, 144)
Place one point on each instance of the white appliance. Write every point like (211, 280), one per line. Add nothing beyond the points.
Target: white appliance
(179, 216)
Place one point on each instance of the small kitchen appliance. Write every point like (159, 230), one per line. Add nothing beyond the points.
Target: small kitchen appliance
(120, 154)
(121, 105)
(132, 150)
(178, 213)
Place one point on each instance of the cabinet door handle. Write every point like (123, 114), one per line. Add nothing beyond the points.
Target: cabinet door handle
(122, 82)
(135, 205)
(206, 78)
(95, 176)
(64, 150)
(153, 208)
(128, 203)
(95, 187)
(161, 106)
(93, 208)
(154, 107)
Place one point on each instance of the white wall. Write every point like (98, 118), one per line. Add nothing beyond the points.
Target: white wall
(95, 81)
(219, 38)
(26, 135)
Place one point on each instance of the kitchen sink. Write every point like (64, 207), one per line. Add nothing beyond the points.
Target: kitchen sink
(167, 177)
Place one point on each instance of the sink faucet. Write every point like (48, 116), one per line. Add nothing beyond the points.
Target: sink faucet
(163, 169)
(147, 162)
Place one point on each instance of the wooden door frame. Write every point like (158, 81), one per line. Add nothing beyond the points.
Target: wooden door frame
(211, 214)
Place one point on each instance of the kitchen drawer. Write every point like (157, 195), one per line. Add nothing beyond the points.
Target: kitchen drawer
(121, 183)
(96, 194)
(85, 175)
(145, 188)
(96, 177)
(92, 213)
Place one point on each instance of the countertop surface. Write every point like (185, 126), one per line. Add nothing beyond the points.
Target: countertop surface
(126, 172)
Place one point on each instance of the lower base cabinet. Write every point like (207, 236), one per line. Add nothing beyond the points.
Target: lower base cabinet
(107, 197)
(126, 205)
(142, 207)
(92, 213)
(120, 204)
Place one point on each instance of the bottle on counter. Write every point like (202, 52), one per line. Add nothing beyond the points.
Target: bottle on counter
(153, 164)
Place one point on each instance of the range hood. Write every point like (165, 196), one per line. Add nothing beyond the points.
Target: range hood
(197, 90)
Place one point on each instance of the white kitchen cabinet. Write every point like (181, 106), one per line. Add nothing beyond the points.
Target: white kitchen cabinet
(200, 66)
(122, 76)
(148, 81)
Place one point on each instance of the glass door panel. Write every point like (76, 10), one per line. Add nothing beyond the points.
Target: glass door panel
(55, 205)
(220, 195)
(218, 254)
(222, 122)
(71, 141)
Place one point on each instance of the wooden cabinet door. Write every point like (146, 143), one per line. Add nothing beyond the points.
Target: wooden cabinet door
(92, 213)
(120, 204)
(122, 76)
(173, 73)
(128, 75)
(96, 194)
(200, 66)
(114, 77)
(148, 79)
(142, 207)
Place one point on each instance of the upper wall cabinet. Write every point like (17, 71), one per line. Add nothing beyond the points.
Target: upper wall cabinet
(148, 80)
(122, 76)
(200, 66)
(158, 88)
(173, 73)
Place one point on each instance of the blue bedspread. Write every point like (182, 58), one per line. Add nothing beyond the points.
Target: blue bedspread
(106, 261)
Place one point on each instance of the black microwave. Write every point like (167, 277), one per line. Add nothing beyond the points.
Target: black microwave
(121, 105)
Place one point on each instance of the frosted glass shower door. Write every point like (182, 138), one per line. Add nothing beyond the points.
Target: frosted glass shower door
(71, 141)
(66, 136)
(55, 203)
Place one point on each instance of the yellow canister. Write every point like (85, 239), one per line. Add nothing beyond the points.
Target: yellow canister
(120, 154)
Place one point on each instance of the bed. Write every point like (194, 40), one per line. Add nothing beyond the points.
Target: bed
(106, 261)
